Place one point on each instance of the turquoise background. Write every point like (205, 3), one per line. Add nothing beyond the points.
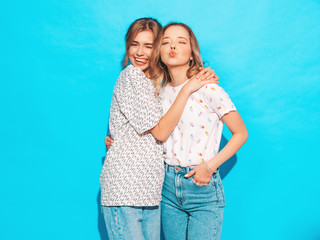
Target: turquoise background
(59, 62)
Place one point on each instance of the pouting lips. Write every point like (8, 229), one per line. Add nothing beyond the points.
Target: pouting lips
(172, 53)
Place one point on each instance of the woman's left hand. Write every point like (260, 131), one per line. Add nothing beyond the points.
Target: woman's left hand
(207, 74)
(202, 174)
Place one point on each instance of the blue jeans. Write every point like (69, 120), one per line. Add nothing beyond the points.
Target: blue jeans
(190, 211)
(132, 223)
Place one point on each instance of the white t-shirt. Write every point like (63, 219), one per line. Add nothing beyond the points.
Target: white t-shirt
(197, 136)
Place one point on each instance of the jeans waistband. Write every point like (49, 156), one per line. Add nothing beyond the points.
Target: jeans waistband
(177, 169)
(180, 169)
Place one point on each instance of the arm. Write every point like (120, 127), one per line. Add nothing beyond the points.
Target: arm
(130, 91)
(239, 132)
(169, 121)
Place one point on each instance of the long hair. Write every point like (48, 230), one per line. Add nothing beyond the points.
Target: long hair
(159, 72)
(137, 26)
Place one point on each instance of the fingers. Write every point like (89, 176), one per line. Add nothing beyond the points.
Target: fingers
(210, 75)
(202, 71)
(205, 82)
(108, 142)
(189, 174)
(207, 73)
(197, 182)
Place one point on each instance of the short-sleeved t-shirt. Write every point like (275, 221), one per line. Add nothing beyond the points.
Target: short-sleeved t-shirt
(197, 136)
(132, 173)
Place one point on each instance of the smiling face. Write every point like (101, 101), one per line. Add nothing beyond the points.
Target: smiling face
(140, 50)
(175, 48)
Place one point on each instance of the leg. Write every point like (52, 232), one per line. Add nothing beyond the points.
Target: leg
(123, 222)
(151, 223)
(205, 205)
(206, 222)
(173, 217)
(174, 221)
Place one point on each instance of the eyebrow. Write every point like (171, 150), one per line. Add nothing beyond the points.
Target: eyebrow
(178, 37)
(144, 43)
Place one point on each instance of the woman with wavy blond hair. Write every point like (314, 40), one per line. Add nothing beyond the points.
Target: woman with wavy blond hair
(192, 196)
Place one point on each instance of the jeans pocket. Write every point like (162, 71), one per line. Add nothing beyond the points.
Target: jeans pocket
(219, 190)
(208, 184)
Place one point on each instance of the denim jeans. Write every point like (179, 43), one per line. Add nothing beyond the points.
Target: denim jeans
(190, 211)
(132, 223)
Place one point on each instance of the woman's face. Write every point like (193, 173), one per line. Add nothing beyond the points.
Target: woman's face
(175, 47)
(141, 49)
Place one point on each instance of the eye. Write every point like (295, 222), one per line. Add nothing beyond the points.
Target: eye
(164, 43)
(183, 42)
(134, 44)
(149, 47)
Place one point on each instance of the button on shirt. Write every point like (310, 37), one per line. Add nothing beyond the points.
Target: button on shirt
(197, 136)
(132, 173)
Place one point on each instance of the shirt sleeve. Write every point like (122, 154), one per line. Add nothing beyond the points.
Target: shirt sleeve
(134, 93)
(218, 100)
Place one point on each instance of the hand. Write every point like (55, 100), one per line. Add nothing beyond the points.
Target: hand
(207, 74)
(202, 174)
(195, 84)
(108, 141)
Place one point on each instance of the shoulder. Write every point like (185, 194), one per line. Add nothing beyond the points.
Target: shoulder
(132, 73)
(211, 90)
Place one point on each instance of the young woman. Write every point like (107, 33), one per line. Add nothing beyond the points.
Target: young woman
(132, 175)
(193, 196)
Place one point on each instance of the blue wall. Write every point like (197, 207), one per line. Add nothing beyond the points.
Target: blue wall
(59, 62)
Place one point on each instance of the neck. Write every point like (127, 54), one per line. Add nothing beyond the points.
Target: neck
(147, 73)
(178, 74)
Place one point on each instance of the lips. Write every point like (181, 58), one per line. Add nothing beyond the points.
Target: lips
(172, 53)
(140, 61)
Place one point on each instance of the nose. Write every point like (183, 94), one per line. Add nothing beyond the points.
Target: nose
(140, 51)
(172, 45)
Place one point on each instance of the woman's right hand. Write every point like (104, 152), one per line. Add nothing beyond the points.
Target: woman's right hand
(108, 141)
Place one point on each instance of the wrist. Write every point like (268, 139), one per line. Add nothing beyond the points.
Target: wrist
(209, 169)
(212, 165)
(186, 90)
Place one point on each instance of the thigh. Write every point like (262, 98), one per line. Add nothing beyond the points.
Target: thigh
(151, 223)
(123, 222)
(206, 222)
(174, 221)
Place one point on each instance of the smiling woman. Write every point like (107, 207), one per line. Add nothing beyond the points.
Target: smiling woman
(141, 49)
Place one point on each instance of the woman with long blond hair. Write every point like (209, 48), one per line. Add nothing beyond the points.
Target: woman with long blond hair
(132, 175)
(193, 196)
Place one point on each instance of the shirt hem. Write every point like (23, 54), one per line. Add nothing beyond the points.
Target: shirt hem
(112, 204)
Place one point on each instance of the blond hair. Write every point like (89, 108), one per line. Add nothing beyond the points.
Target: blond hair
(159, 72)
(139, 25)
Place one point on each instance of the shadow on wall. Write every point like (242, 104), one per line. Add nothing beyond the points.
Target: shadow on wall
(229, 164)
(224, 171)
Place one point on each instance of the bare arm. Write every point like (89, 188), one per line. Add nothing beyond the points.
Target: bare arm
(169, 121)
(239, 132)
